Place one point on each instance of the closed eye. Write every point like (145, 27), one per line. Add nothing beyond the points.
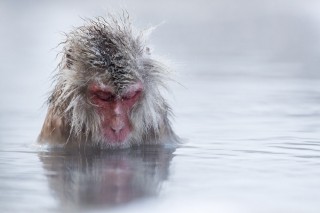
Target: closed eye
(105, 96)
(131, 95)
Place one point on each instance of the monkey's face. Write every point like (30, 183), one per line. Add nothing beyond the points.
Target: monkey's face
(115, 108)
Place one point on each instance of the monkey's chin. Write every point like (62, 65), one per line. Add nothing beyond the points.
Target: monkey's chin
(116, 140)
(110, 144)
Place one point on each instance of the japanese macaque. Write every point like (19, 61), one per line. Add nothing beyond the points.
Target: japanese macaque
(107, 91)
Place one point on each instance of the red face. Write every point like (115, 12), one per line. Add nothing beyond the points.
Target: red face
(115, 110)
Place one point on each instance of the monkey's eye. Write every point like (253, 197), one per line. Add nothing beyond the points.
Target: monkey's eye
(131, 95)
(105, 96)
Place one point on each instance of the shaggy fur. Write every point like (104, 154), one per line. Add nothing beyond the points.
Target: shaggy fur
(108, 51)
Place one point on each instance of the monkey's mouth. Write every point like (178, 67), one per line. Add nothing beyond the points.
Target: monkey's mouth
(116, 137)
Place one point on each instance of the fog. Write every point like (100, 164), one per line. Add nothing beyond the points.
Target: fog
(245, 97)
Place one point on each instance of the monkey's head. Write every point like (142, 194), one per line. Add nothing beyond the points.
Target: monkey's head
(107, 90)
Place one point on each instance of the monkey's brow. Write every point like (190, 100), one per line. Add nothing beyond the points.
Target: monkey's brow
(106, 87)
(103, 87)
(131, 88)
(134, 87)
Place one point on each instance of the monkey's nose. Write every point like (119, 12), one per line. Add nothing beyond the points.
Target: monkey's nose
(117, 125)
(116, 129)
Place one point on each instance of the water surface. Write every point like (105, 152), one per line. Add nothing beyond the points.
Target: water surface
(246, 106)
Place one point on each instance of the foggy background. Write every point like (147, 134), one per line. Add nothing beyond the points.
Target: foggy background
(277, 38)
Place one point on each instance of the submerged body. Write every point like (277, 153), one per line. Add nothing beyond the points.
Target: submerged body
(107, 92)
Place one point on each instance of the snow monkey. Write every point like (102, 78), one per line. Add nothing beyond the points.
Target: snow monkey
(107, 89)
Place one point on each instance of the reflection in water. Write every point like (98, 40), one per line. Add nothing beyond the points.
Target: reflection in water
(93, 177)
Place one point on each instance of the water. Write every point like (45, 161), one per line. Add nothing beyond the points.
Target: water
(247, 110)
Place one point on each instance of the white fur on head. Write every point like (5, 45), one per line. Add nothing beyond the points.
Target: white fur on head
(109, 51)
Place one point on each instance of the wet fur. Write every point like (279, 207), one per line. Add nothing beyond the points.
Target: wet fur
(108, 51)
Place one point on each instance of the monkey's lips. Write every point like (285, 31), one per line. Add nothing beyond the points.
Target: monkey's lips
(116, 137)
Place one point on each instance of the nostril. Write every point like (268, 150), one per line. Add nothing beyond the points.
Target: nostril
(116, 129)
(117, 125)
